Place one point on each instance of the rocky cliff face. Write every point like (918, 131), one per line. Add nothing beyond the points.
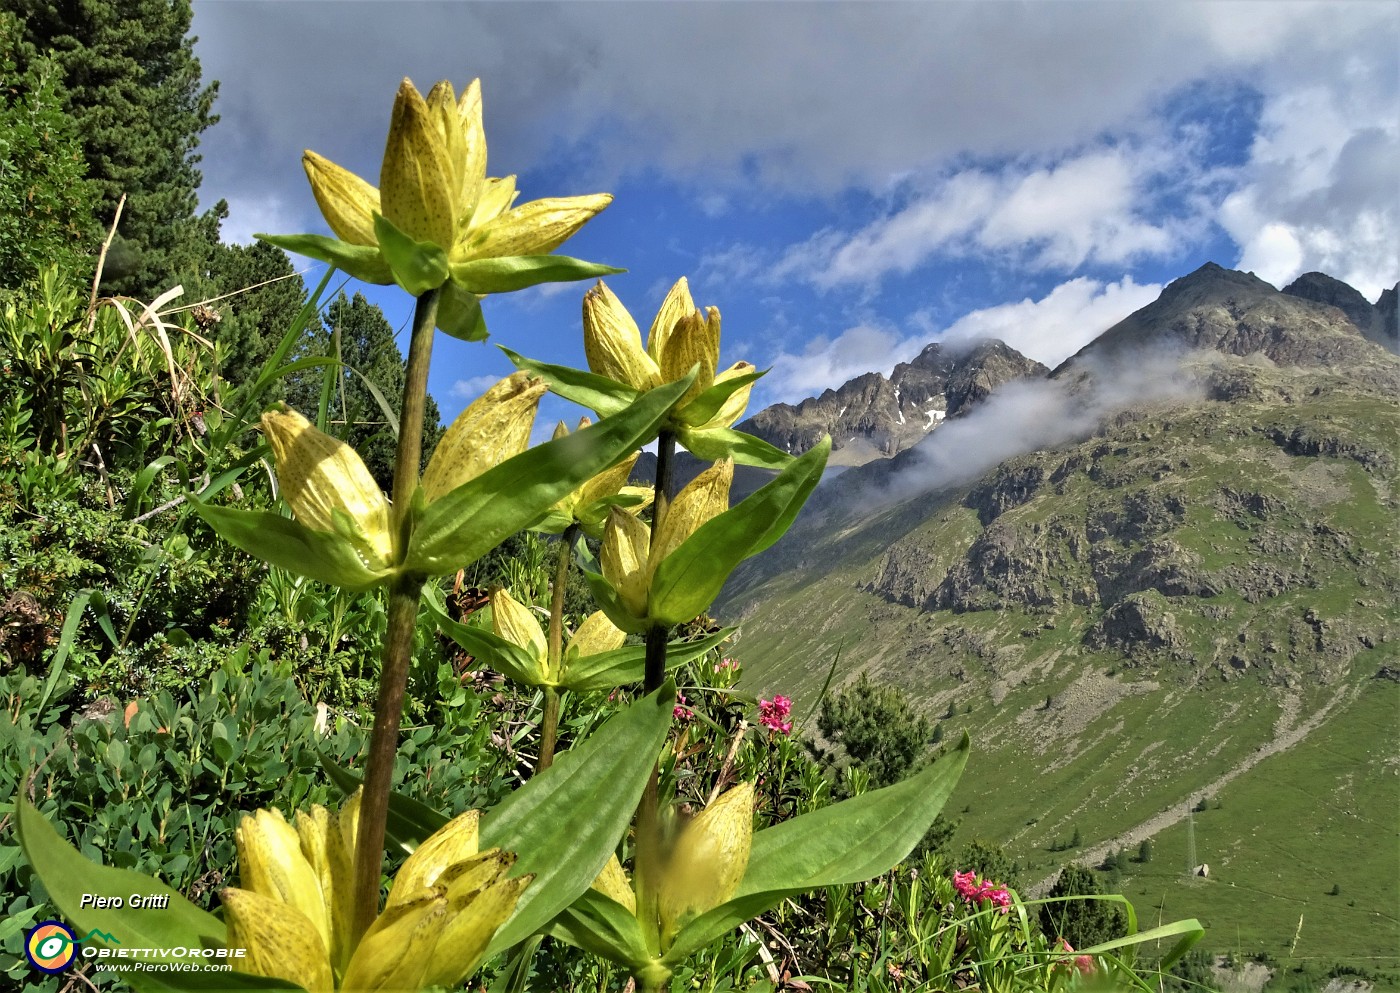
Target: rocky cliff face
(871, 417)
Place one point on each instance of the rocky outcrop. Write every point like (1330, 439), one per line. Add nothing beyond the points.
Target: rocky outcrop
(1137, 626)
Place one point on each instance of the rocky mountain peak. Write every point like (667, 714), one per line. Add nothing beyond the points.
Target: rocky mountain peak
(871, 416)
(1375, 321)
(1237, 313)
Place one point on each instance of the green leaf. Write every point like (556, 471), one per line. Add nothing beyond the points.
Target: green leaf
(707, 404)
(464, 525)
(688, 580)
(848, 842)
(361, 261)
(564, 824)
(281, 541)
(490, 648)
(68, 877)
(418, 266)
(143, 481)
(1187, 932)
(516, 272)
(599, 394)
(607, 670)
(459, 314)
(602, 926)
(713, 444)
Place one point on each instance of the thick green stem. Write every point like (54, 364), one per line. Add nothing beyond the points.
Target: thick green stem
(397, 656)
(549, 727)
(648, 864)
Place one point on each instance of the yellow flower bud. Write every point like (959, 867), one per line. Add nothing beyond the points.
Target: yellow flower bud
(682, 337)
(495, 427)
(278, 941)
(454, 842)
(624, 559)
(613, 883)
(733, 408)
(612, 343)
(702, 499)
(694, 341)
(708, 862)
(320, 475)
(594, 636)
(516, 623)
(434, 188)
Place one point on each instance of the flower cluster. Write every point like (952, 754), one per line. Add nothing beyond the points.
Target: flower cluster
(680, 711)
(976, 891)
(775, 714)
(1083, 963)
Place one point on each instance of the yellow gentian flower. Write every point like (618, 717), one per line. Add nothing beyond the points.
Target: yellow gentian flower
(681, 336)
(433, 187)
(291, 914)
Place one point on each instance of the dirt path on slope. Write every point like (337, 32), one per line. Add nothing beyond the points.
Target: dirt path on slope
(1286, 737)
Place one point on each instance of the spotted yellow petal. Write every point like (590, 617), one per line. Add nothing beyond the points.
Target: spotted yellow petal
(347, 202)
(278, 941)
(454, 842)
(594, 636)
(624, 558)
(613, 883)
(703, 498)
(416, 181)
(319, 474)
(395, 952)
(516, 623)
(694, 341)
(678, 304)
(535, 228)
(271, 864)
(470, 929)
(493, 428)
(709, 860)
(323, 847)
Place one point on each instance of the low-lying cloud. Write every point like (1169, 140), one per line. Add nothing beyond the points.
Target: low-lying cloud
(1029, 415)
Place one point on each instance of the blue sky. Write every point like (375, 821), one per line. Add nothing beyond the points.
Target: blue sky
(848, 182)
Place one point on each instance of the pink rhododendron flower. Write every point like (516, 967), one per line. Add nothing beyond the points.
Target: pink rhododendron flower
(775, 714)
(976, 891)
(681, 712)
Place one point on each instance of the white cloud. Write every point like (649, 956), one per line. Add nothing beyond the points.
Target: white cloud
(256, 214)
(1319, 191)
(1048, 330)
(470, 389)
(1060, 323)
(828, 363)
(1092, 207)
